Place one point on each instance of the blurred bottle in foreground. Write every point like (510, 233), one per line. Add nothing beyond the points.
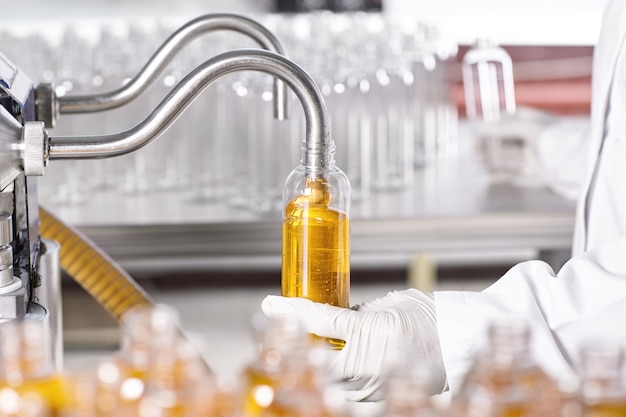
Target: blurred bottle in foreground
(506, 381)
(287, 376)
(28, 381)
(603, 388)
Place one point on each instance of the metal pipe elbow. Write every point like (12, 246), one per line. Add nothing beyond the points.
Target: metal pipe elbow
(317, 139)
(90, 103)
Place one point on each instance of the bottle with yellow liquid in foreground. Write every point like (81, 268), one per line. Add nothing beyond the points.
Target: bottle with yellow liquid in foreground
(602, 383)
(316, 235)
(287, 378)
(506, 380)
(26, 368)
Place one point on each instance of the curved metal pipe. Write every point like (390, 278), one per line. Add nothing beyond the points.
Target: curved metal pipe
(317, 137)
(90, 103)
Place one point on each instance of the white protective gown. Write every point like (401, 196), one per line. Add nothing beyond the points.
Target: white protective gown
(586, 299)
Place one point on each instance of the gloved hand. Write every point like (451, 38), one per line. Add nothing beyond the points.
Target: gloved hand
(398, 331)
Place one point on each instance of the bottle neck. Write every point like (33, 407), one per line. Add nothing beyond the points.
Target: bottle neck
(318, 163)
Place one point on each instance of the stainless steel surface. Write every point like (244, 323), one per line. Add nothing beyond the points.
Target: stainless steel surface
(12, 289)
(46, 107)
(10, 144)
(204, 24)
(6, 229)
(6, 256)
(37, 313)
(6, 265)
(6, 250)
(14, 82)
(48, 295)
(17, 110)
(317, 137)
(13, 302)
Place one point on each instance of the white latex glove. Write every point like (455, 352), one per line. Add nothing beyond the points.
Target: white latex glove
(395, 332)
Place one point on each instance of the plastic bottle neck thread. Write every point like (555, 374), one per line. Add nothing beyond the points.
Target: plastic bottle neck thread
(318, 161)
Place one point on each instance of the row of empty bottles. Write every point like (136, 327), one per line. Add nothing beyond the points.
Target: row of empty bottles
(157, 372)
(386, 88)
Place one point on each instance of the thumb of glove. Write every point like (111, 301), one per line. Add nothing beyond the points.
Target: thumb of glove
(320, 319)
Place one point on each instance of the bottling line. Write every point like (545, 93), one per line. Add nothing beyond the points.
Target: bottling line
(457, 213)
(29, 148)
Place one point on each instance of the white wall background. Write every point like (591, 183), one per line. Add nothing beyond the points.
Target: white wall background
(541, 22)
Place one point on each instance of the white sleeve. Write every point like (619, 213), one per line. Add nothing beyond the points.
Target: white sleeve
(562, 152)
(585, 300)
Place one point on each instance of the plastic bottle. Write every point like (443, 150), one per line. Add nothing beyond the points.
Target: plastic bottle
(26, 366)
(603, 389)
(316, 235)
(505, 379)
(160, 368)
(156, 373)
(287, 378)
(276, 337)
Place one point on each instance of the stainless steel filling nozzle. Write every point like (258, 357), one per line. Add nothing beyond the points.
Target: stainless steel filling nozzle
(50, 105)
(316, 143)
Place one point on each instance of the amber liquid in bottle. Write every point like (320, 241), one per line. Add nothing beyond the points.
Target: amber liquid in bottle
(52, 390)
(316, 249)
